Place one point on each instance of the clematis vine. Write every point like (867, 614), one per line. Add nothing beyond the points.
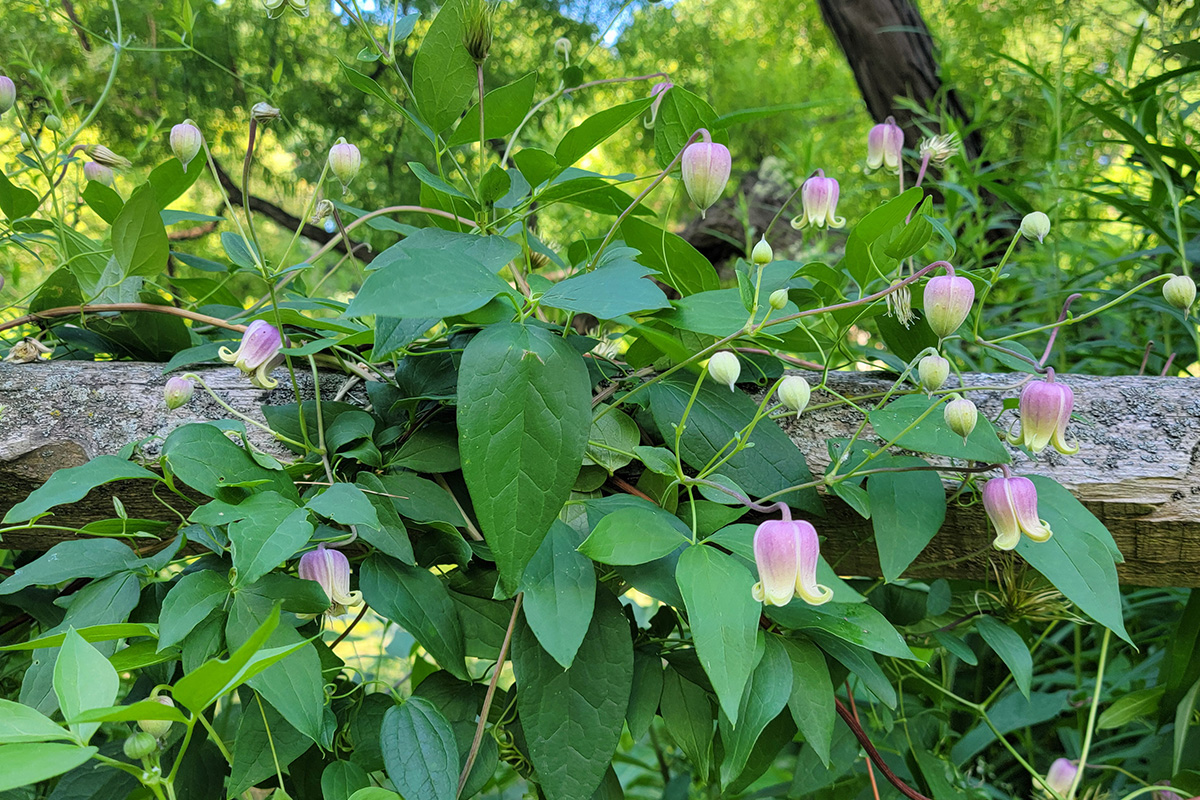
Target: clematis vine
(1011, 504)
(786, 553)
(259, 353)
(1045, 410)
(819, 199)
(331, 569)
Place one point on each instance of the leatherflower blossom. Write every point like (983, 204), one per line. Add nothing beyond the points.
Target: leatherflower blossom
(259, 353)
(331, 569)
(185, 142)
(1045, 409)
(8, 93)
(94, 171)
(885, 145)
(657, 91)
(948, 300)
(1061, 775)
(1011, 504)
(786, 553)
(725, 368)
(705, 166)
(819, 199)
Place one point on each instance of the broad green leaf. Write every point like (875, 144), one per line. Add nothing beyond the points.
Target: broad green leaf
(632, 536)
(73, 483)
(375, 793)
(857, 623)
(1181, 665)
(198, 689)
(426, 284)
(444, 79)
(203, 457)
(268, 537)
(580, 140)
(503, 110)
(1075, 560)
(15, 201)
(80, 558)
(433, 181)
(615, 430)
(608, 291)
(391, 537)
(858, 259)
(263, 738)
(345, 503)
(765, 696)
(646, 692)
(524, 412)
(190, 600)
(139, 238)
(32, 762)
(432, 448)
(908, 509)
(419, 751)
(368, 86)
(560, 593)
(932, 434)
(592, 192)
(678, 263)
(1011, 648)
(680, 114)
(688, 714)
(92, 633)
(811, 699)
(421, 500)
(536, 165)
(723, 617)
(20, 723)
(720, 312)
(83, 680)
(1183, 721)
(773, 463)
(1130, 707)
(341, 779)
(103, 199)
(572, 718)
(420, 603)
(860, 662)
(170, 180)
(143, 709)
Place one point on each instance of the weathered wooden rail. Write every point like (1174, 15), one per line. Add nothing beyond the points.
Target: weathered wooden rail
(1137, 468)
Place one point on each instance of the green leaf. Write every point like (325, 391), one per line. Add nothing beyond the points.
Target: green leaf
(494, 185)
(608, 291)
(646, 693)
(391, 537)
(170, 180)
(427, 283)
(858, 260)
(680, 114)
(420, 603)
(1130, 707)
(908, 509)
(263, 739)
(203, 457)
(933, 435)
(1183, 721)
(433, 181)
(375, 793)
(632, 536)
(341, 779)
(33, 762)
(524, 412)
(723, 617)
(72, 484)
(721, 313)
(1181, 666)
(857, 623)
(83, 680)
(536, 165)
(679, 265)
(444, 79)
(421, 500)
(572, 718)
(592, 192)
(419, 751)
(614, 429)
(772, 463)
(580, 140)
(503, 108)
(368, 86)
(765, 696)
(1076, 560)
(688, 715)
(139, 238)
(1011, 648)
(860, 662)
(81, 558)
(345, 503)
(560, 593)
(104, 200)
(20, 723)
(91, 633)
(432, 448)
(273, 533)
(811, 699)
(189, 601)
(15, 201)
(143, 709)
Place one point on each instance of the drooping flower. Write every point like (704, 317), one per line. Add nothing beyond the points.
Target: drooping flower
(885, 146)
(1165, 794)
(786, 553)
(1011, 505)
(819, 199)
(1180, 291)
(8, 93)
(725, 368)
(99, 173)
(1035, 225)
(185, 142)
(658, 91)
(1061, 775)
(177, 391)
(344, 161)
(705, 166)
(948, 300)
(263, 113)
(331, 569)
(932, 372)
(259, 353)
(961, 415)
(794, 393)
(1045, 409)
(27, 351)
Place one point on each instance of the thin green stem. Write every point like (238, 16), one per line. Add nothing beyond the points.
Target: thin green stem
(1091, 722)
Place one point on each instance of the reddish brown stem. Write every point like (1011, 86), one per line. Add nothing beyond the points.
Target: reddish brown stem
(491, 692)
(67, 311)
(861, 735)
(350, 627)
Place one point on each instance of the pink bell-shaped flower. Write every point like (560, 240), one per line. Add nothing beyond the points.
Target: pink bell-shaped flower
(948, 300)
(786, 553)
(819, 199)
(99, 173)
(8, 93)
(1045, 409)
(1011, 504)
(259, 353)
(885, 145)
(705, 166)
(1061, 775)
(331, 569)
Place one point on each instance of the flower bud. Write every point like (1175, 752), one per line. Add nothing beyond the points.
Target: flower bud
(52, 123)
(819, 199)
(725, 368)
(322, 212)
(885, 146)
(344, 162)
(786, 553)
(1061, 775)
(932, 372)
(657, 91)
(1180, 292)
(263, 113)
(26, 141)
(28, 351)
(778, 299)
(1045, 409)
(961, 415)
(8, 93)
(1035, 225)
(938, 149)
(562, 46)
(185, 142)
(948, 300)
(158, 728)
(794, 393)
(258, 354)
(762, 254)
(331, 569)
(98, 173)
(102, 155)
(706, 166)
(140, 745)
(177, 392)
(477, 29)
(1165, 794)
(1011, 505)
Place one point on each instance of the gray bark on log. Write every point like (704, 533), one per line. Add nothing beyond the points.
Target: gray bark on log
(1137, 469)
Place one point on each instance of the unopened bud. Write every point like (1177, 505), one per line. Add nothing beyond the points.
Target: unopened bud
(1180, 292)
(961, 415)
(263, 113)
(477, 29)
(8, 93)
(26, 142)
(705, 166)
(762, 253)
(778, 299)
(1062, 773)
(885, 146)
(322, 212)
(97, 172)
(932, 372)
(344, 161)
(158, 728)
(102, 155)
(562, 46)
(177, 392)
(794, 393)
(52, 123)
(948, 300)
(725, 368)
(140, 745)
(1035, 225)
(185, 142)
